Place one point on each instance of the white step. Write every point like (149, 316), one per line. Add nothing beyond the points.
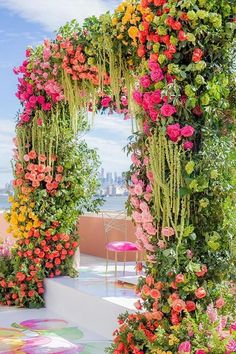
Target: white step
(94, 299)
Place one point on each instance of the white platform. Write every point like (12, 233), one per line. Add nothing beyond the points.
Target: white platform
(94, 299)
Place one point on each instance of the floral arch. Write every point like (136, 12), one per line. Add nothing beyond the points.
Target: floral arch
(158, 62)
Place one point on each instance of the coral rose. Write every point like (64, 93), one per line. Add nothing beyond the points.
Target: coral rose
(179, 278)
(178, 305)
(197, 55)
(200, 293)
(190, 306)
(220, 303)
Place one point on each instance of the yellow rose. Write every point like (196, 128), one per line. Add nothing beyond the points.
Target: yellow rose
(121, 7)
(149, 18)
(126, 19)
(114, 21)
(133, 32)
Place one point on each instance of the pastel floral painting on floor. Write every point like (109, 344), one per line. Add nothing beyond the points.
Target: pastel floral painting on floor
(47, 336)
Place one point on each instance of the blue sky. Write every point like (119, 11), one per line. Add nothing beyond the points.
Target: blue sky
(23, 23)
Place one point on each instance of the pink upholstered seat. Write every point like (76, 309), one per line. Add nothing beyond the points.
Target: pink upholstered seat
(122, 246)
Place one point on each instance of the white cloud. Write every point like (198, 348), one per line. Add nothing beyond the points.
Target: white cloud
(52, 14)
(109, 135)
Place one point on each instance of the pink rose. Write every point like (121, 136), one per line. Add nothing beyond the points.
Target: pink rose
(200, 351)
(220, 303)
(138, 97)
(135, 160)
(137, 217)
(146, 217)
(135, 202)
(106, 101)
(187, 131)
(153, 65)
(151, 230)
(167, 110)
(184, 347)
(144, 206)
(134, 179)
(153, 115)
(157, 75)
(149, 247)
(179, 278)
(167, 231)
(161, 244)
(147, 196)
(155, 97)
(174, 132)
(150, 176)
(138, 305)
(145, 81)
(138, 189)
(188, 145)
(233, 327)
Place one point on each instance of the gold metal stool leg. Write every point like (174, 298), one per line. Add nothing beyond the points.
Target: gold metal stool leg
(107, 260)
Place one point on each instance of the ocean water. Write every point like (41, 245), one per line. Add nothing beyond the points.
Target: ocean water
(111, 203)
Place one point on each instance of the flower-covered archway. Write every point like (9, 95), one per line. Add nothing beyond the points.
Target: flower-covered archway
(168, 64)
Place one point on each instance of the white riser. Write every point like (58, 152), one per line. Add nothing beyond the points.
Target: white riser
(90, 311)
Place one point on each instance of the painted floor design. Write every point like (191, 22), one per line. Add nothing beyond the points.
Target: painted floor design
(42, 335)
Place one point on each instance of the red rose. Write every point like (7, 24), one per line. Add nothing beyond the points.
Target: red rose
(31, 293)
(197, 110)
(190, 306)
(197, 55)
(174, 132)
(182, 36)
(3, 283)
(176, 26)
(20, 276)
(200, 293)
(57, 261)
(40, 291)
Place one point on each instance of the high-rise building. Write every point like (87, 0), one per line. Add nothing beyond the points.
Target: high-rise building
(115, 177)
